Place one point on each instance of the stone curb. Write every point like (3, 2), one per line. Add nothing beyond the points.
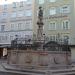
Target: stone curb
(37, 72)
(10, 68)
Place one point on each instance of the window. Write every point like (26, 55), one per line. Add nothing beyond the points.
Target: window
(5, 6)
(14, 5)
(4, 15)
(66, 39)
(52, 26)
(53, 38)
(20, 14)
(14, 14)
(19, 26)
(21, 4)
(52, 0)
(6, 37)
(29, 2)
(66, 25)
(3, 38)
(28, 25)
(41, 1)
(52, 11)
(2, 27)
(11, 38)
(12, 26)
(28, 13)
(65, 9)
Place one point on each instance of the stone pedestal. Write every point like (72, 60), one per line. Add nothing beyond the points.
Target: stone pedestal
(38, 58)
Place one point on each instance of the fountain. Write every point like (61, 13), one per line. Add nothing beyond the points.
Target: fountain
(36, 54)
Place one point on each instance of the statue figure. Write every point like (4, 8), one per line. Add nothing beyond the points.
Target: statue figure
(40, 14)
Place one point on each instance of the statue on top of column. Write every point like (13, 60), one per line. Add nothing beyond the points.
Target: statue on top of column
(40, 14)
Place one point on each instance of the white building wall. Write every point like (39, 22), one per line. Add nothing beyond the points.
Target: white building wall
(22, 15)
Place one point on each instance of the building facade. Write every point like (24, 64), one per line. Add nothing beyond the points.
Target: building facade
(16, 20)
(59, 21)
(20, 19)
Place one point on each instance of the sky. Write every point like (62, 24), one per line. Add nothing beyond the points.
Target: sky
(9, 1)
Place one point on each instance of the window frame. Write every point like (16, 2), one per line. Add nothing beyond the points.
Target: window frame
(41, 1)
(53, 37)
(64, 26)
(52, 11)
(63, 9)
(52, 1)
(51, 27)
(2, 28)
